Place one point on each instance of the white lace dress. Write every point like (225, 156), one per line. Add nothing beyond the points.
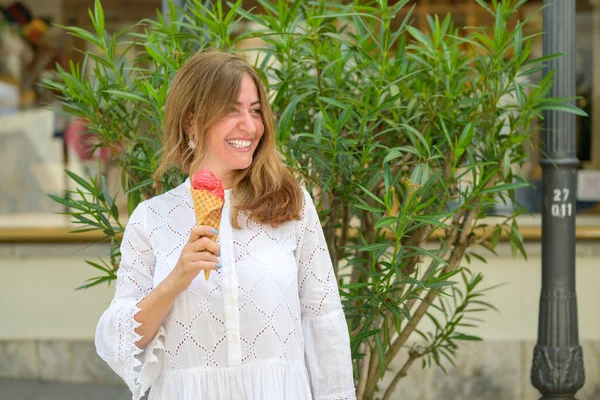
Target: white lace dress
(268, 325)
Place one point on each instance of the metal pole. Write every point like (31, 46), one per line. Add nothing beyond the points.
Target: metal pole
(557, 370)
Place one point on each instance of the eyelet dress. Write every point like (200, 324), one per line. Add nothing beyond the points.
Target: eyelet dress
(268, 325)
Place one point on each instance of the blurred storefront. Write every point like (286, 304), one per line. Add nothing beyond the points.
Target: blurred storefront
(37, 140)
(32, 45)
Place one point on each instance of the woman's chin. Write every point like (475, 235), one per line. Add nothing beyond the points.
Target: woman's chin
(242, 165)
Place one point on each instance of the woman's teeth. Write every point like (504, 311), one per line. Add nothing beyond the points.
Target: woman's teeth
(240, 144)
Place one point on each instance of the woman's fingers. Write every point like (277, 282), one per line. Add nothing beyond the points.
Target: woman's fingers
(203, 265)
(193, 263)
(198, 254)
(200, 231)
(203, 256)
(200, 239)
(205, 244)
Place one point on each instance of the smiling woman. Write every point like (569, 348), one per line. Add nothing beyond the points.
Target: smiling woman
(218, 118)
(231, 141)
(269, 322)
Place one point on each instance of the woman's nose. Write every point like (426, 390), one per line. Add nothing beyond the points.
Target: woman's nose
(247, 123)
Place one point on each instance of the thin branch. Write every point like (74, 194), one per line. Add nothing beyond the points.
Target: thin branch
(401, 374)
(363, 373)
(452, 230)
(416, 240)
(345, 229)
(373, 372)
(467, 226)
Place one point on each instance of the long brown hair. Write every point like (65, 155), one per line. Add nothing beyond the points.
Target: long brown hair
(205, 87)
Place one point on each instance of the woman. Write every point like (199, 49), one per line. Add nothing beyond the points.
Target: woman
(268, 324)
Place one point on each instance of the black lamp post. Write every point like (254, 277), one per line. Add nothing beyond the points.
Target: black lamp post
(557, 370)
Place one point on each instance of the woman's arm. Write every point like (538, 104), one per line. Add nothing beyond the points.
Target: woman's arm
(326, 339)
(153, 309)
(115, 334)
(130, 335)
(196, 256)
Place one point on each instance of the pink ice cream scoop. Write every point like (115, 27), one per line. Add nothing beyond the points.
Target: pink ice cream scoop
(206, 180)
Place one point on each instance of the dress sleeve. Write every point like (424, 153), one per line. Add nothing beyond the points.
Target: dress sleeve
(115, 333)
(326, 338)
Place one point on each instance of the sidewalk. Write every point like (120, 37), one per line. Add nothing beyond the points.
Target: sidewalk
(33, 390)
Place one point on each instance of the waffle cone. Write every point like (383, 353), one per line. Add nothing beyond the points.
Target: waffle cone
(207, 208)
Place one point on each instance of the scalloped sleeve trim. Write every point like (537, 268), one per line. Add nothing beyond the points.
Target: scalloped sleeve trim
(139, 368)
(338, 396)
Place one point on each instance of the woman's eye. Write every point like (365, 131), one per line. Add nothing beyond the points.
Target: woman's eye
(257, 111)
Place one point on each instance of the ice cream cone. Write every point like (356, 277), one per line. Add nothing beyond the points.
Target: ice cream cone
(208, 208)
(208, 198)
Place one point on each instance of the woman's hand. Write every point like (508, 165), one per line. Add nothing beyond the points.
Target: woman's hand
(197, 255)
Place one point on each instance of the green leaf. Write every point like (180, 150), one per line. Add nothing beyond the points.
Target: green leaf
(398, 152)
(358, 285)
(499, 26)
(139, 186)
(96, 281)
(428, 253)
(333, 102)
(516, 240)
(365, 334)
(417, 138)
(99, 59)
(66, 202)
(504, 187)
(380, 352)
(82, 34)
(367, 207)
(80, 181)
(496, 236)
(99, 17)
(98, 266)
(319, 124)
(285, 121)
(371, 195)
(564, 107)
(420, 174)
(385, 222)
(462, 336)
(420, 37)
(466, 136)
(543, 59)
(506, 170)
(436, 285)
(374, 247)
(484, 5)
(158, 56)
(127, 95)
(518, 40)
